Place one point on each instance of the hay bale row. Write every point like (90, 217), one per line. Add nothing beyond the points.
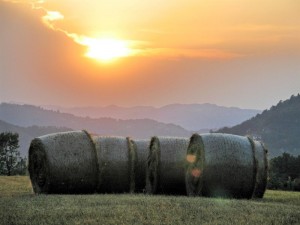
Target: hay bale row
(166, 165)
(207, 164)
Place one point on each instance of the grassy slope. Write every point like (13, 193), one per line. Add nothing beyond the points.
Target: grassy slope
(18, 205)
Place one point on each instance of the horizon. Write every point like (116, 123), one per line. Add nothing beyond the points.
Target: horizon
(242, 54)
(152, 106)
(126, 107)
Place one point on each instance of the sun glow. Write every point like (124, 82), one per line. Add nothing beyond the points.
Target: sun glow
(106, 49)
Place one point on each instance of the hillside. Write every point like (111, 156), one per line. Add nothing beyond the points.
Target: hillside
(278, 127)
(28, 115)
(26, 134)
(189, 116)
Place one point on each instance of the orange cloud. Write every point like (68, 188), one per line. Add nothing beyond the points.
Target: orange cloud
(140, 48)
(166, 31)
(50, 17)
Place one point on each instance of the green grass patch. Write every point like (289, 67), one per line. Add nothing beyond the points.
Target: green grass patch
(15, 186)
(18, 205)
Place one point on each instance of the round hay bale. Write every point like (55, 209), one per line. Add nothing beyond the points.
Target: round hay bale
(296, 184)
(195, 163)
(63, 163)
(142, 150)
(229, 166)
(116, 160)
(262, 169)
(166, 165)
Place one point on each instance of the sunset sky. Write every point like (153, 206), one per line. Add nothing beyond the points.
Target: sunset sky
(243, 53)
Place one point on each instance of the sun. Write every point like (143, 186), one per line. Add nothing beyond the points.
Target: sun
(106, 50)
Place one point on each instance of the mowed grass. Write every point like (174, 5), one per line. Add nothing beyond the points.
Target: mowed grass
(18, 205)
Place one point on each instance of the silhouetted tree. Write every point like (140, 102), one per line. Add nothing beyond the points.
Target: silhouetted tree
(21, 167)
(9, 154)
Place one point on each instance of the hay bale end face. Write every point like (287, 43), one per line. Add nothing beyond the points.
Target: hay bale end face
(116, 160)
(262, 170)
(153, 166)
(166, 165)
(195, 163)
(266, 165)
(296, 184)
(63, 163)
(132, 164)
(229, 166)
(142, 151)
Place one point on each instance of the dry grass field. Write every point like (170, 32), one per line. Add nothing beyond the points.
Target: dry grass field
(19, 205)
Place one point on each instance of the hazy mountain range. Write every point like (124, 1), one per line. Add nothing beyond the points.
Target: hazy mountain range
(28, 115)
(26, 118)
(189, 116)
(278, 127)
(32, 121)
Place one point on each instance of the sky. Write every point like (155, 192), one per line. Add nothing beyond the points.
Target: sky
(241, 53)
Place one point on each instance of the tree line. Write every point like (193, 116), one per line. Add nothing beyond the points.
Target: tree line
(284, 172)
(11, 163)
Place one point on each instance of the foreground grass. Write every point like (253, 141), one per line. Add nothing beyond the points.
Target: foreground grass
(18, 205)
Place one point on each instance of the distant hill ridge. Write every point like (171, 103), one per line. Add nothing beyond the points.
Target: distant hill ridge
(28, 115)
(189, 116)
(278, 127)
(32, 121)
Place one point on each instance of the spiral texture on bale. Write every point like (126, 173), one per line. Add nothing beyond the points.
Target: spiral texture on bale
(166, 165)
(195, 163)
(63, 163)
